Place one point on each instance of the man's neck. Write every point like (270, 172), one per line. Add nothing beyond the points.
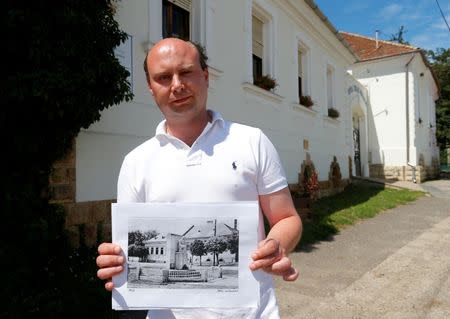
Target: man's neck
(188, 132)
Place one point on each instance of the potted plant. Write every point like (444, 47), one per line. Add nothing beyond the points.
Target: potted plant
(306, 100)
(307, 194)
(265, 82)
(333, 113)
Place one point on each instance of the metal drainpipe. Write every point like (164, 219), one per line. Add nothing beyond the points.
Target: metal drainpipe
(407, 120)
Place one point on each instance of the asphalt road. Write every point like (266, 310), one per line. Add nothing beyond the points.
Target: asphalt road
(395, 265)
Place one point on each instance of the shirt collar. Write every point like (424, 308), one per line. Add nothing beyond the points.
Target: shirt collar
(215, 117)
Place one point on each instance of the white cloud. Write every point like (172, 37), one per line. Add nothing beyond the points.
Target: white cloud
(390, 10)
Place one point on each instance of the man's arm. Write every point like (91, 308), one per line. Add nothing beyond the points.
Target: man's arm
(284, 235)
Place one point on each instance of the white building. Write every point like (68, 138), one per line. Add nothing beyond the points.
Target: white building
(290, 40)
(402, 91)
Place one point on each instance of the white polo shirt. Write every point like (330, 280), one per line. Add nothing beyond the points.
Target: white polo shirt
(228, 162)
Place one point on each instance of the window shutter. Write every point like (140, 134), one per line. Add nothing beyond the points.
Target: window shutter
(300, 63)
(257, 37)
(184, 4)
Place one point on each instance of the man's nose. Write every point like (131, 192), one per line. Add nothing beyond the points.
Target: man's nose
(177, 84)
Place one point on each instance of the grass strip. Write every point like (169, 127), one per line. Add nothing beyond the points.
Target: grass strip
(355, 203)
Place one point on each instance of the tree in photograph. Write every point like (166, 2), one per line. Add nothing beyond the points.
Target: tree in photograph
(136, 238)
(216, 246)
(198, 249)
(233, 246)
(139, 251)
(440, 63)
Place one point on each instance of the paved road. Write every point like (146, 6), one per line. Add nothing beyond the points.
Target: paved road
(395, 265)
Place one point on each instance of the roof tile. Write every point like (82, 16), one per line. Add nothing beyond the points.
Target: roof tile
(368, 49)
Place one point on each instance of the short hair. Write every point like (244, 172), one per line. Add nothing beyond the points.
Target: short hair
(201, 55)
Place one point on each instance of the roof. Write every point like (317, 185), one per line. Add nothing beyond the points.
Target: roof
(207, 230)
(368, 48)
(330, 26)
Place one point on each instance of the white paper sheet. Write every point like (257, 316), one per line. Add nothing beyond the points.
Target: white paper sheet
(169, 274)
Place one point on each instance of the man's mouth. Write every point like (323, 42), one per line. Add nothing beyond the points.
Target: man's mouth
(181, 100)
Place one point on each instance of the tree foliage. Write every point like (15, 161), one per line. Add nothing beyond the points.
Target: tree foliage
(440, 62)
(399, 36)
(198, 249)
(140, 251)
(137, 237)
(61, 73)
(233, 246)
(216, 245)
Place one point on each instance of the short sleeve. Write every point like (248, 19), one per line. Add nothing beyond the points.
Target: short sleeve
(271, 175)
(126, 184)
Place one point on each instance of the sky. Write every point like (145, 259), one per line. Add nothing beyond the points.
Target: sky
(423, 23)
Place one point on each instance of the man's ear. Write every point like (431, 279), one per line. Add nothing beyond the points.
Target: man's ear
(150, 89)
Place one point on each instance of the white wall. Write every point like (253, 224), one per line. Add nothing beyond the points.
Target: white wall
(385, 80)
(386, 83)
(101, 148)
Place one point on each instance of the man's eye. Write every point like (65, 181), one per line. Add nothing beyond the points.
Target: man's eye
(164, 77)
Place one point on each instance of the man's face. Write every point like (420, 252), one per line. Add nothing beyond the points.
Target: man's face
(177, 81)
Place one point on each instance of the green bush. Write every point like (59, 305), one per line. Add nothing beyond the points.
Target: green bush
(61, 72)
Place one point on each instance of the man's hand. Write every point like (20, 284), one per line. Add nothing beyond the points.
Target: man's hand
(110, 261)
(271, 258)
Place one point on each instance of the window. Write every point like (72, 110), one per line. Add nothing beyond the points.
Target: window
(301, 67)
(162, 250)
(257, 47)
(330, 87)
(156, 250)
(151, 250)
(176, 19)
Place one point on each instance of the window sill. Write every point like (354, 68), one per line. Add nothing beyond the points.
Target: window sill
(334, 121)
(214, 72)
(304, 109)
(256, 90)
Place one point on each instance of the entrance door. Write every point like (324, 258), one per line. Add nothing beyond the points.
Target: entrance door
(357, 148)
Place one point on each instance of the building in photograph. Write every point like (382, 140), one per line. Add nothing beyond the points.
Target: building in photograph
(173, 251)
(317, 113)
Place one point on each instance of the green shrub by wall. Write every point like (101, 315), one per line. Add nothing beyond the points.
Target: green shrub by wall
(60, 72)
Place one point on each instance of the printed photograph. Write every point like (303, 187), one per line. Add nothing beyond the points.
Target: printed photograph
(196, 253)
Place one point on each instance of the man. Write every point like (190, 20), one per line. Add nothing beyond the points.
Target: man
(196, 156)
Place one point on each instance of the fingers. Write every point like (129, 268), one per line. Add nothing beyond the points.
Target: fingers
(104, 261)
(109, 285)
(110, 263)
(271, 258)
(109, 249)
(291, 274)
(109, 272)
(266, 248)
(268, 253)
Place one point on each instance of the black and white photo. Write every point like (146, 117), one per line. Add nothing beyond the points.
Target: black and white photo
(201, 253)
(182, 255)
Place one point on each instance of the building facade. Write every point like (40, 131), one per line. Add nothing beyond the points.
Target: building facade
(317, 115)
(402, 91)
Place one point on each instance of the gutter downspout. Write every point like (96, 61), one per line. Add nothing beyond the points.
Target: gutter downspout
(407, 121)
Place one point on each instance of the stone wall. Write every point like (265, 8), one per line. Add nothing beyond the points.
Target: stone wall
(86, 222)
(405, 173)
